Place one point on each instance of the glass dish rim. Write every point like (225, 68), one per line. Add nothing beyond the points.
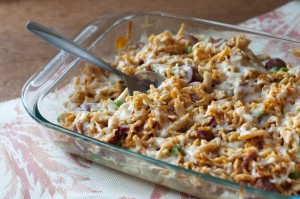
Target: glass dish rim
(126, 16)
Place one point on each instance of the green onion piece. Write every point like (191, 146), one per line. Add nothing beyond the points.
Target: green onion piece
(118, 102)
(258, 113)
(190, 49)
(58, 119)
(210, 40)
(175, 150)
(284, 69)
(182, 130)
(294, 175)
(119, 143)
(274, 69)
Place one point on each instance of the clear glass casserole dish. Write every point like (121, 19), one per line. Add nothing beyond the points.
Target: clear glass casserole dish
(44, 94)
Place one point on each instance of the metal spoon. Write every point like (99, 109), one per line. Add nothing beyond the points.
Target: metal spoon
(138, 82)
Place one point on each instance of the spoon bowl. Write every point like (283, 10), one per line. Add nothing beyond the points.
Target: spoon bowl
(139, 82)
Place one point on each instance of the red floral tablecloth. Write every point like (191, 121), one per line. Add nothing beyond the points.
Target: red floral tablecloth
(33, 167)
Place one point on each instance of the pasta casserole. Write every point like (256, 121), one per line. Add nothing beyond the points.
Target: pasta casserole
(222, 110)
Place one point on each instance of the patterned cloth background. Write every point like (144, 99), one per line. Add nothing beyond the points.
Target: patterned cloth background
(33, 167)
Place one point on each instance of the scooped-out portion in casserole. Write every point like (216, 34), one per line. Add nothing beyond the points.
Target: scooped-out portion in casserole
(222, 110)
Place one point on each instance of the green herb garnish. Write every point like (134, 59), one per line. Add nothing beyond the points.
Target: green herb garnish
(175, 150)
(190, 49)
(294, 175)
(58, 119)
(119, 143)
(274, 69)
(118, 102)
(182, 130)
(284, 69)
(210, 40)
(257, 113)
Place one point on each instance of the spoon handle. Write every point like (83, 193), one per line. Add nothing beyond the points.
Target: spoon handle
(69, 46)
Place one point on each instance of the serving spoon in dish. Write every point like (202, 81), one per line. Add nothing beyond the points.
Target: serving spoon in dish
(138, 82)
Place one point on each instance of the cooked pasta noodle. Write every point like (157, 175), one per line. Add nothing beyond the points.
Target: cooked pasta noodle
(220, 111)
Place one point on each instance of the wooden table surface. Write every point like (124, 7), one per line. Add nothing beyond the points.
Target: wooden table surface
(22, 54)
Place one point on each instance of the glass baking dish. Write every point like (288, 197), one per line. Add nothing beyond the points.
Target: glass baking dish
(43, 96)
